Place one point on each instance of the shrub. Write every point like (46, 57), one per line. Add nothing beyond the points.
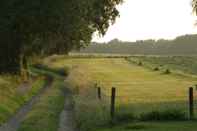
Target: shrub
(140, 63)
(60, 71)
(136, 127)
(163, 115)
(167, 71)
(156, 69)
(124, 117)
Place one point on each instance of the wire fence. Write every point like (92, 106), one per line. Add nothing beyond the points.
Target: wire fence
(128, 104)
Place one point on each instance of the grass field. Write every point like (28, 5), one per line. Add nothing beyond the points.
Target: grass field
(179, 64)
(139, 89)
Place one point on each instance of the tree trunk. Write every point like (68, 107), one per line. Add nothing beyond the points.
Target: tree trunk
(9, 54)
(24, 68)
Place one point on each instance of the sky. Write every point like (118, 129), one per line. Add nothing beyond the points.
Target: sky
(151, 19)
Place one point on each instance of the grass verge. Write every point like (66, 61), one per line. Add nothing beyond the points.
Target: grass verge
(153, 126)
(12, 96)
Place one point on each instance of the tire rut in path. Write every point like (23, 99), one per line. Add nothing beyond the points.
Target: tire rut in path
(14, 123)
(67, 117)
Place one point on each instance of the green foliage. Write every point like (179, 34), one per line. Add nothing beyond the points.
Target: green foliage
(47, 27)
(152, 126)
(167, 71)
(194, 5)
(164, 115)
(140, 63)
(183, 45)
(136, 127)
(123, 117)
(156, 69)
(8, 55)
(58, 71)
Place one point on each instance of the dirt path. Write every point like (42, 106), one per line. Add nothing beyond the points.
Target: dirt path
(14, 123)
(66, 116)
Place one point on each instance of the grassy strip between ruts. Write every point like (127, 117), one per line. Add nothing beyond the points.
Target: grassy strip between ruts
(13, 97)
(45, 114)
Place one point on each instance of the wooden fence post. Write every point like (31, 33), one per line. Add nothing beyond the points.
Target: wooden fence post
(113, 96)
(99, 92)
(191, 103)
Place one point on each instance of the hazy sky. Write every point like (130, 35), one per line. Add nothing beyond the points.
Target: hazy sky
(146, 19)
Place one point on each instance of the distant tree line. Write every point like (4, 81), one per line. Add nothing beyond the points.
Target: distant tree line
(45, 27)
(183, 45)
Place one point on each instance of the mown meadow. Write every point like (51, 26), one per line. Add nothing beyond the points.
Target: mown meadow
(178, 64)
(146, 99)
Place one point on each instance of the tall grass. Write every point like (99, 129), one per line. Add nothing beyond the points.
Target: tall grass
(90, 112)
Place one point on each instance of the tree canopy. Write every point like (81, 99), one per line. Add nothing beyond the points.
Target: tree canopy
(51, 26)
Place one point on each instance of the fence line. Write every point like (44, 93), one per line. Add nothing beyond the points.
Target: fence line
(113, 97)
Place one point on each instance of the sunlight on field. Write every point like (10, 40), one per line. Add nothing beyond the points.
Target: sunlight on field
(134, 84)
(139, 90)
